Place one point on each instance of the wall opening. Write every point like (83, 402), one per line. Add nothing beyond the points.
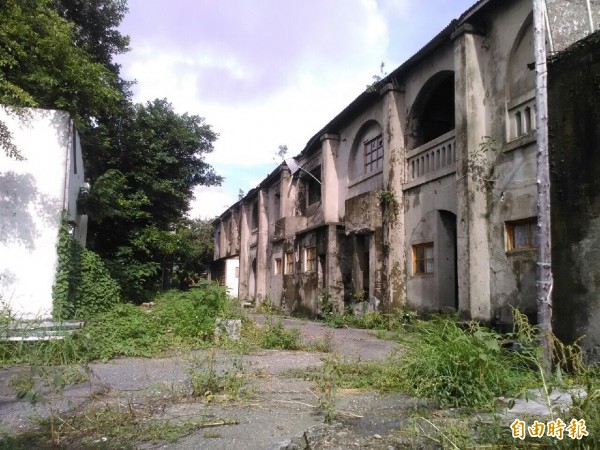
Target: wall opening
(433, 111)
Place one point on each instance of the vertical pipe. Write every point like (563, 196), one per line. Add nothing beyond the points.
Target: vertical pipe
(544, 254)
(590, 18)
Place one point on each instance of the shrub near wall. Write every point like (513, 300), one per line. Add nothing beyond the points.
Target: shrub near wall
(83, 287)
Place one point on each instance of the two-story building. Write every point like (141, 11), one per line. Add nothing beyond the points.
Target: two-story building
(421, 192)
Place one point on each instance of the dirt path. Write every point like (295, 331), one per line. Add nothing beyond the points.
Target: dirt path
(279, 414)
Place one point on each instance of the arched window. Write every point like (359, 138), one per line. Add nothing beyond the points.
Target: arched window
(366, 156)
(432, 113)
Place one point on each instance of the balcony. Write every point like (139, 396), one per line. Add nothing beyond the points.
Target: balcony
(435, 159)
(286, 227)
(521, 123)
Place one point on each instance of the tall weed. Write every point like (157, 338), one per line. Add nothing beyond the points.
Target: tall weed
(461, 367)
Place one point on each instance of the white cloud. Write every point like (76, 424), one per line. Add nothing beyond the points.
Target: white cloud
(264, 73)
(210, 202)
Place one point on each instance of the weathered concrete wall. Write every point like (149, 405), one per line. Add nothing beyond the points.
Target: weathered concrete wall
(569, 21)
(574, 121)
(34, 193)
(509, 167)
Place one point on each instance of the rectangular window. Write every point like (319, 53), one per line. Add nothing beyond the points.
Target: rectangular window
(311, 259)
(521, 234)
(289, 262)
(423, 259)
(277, 266)
(374, 154)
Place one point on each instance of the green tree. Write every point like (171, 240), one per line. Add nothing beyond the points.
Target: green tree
(96, 27)
(40, 65)
(137, 207)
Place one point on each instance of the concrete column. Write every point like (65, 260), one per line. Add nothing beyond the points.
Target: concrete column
(287, 197)
(393, 280)
(472, 224)
(223, 239)
(329, 177)
(261, 247)
(335, 284)
(244, 248)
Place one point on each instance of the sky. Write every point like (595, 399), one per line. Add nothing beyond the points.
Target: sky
(265, 73)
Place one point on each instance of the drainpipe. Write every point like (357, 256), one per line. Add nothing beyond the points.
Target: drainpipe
(544, 253)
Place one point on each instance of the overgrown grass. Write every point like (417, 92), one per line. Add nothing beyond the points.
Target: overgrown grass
(462, 367)
(108, 426)
(178, 320)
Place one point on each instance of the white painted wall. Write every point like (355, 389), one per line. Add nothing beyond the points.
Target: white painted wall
(232, 276)
(33, 195)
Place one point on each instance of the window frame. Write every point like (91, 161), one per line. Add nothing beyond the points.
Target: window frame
(510, 228)
(425, 260)
(289, 263)
(370, 147)
(278, 267)
(310, 258)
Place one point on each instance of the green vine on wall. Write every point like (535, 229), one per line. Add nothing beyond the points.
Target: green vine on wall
(83, 287)
(389, 205)
(480, 164)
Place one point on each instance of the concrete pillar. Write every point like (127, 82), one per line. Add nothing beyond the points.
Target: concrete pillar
(472, 224)
(393, 281)
(329, 177)
(262, 242)
(335, 284)
(287, 194)
(244, 248)
(223, 239)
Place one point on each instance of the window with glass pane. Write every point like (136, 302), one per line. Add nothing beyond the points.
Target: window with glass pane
(522, 234)
(423, 258)
(277, 266)
(374, 154)
(311, 259)
(289, 262)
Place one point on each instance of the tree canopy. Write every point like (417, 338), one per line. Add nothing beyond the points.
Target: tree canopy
(41, 67)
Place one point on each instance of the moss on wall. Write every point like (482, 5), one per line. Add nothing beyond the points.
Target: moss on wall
(574, 121)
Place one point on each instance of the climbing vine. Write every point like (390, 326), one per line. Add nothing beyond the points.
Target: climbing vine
(389, 205)
(83, 287)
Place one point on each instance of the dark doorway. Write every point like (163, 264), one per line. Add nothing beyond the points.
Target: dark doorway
(447, 256)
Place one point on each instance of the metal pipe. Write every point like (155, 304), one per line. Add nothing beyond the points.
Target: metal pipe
(590, 18)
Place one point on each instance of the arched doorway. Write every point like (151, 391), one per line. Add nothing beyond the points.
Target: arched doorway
(432, 114)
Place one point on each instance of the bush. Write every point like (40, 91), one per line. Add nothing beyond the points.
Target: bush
(178, 319)
(126, 330)
(277, 337)
(462, 367)
(83, 287)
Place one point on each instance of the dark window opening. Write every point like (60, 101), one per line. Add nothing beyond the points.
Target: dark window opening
(313, 186)
(438, 114)
(254, 215)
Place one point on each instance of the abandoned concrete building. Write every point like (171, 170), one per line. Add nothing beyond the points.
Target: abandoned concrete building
(421, 192)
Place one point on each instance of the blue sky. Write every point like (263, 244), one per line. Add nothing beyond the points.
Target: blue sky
(268, 72)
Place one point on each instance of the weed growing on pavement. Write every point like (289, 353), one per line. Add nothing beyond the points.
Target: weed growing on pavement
(276, 336)
(327, 384)
(207, 381)
(322, 345)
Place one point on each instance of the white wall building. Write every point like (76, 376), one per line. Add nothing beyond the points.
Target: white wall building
(34, 195)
